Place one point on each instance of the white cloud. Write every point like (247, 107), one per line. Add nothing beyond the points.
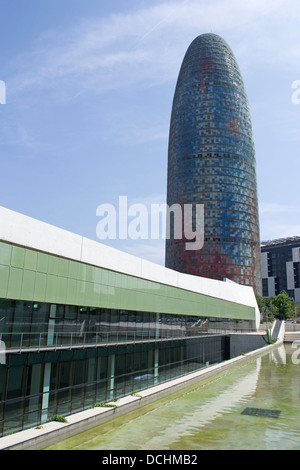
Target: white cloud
(276, 208)
(15, 134)
(148, 45)
(150, 249)
(275, 231)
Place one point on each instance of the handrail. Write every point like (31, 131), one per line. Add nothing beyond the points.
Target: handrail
(57, 340)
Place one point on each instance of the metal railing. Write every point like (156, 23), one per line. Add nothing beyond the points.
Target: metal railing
(67, 339)
(58, 340)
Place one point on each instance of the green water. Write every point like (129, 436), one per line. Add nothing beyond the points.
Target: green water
(208, 415)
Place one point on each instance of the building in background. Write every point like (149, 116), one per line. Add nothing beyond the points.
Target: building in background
(280, 262)
(211, 161)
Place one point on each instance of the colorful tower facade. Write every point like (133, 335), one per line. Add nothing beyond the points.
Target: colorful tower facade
(211, 161)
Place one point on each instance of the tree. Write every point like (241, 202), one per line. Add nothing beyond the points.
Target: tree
(261, 303)
(285, 305)
(267, 308)
(281, 306)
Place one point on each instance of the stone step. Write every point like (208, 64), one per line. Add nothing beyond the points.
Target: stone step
(291, 336)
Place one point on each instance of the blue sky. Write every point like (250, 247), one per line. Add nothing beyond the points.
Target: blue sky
(89, 89)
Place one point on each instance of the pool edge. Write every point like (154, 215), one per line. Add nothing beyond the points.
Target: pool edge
(52, 432)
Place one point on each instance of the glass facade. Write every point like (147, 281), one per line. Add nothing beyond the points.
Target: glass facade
(41, 325)
(62, 359)
(212, 162)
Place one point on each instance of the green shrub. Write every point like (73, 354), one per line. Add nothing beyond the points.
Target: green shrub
(60, 419)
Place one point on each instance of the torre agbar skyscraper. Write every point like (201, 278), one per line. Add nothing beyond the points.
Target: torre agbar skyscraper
(211, 161)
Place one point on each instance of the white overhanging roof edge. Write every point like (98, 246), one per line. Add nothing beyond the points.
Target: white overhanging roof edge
(25, 231)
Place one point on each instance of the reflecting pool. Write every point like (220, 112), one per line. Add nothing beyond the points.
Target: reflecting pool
(254, 405)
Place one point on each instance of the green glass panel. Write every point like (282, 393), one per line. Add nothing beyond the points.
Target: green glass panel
(72, 292)
(53, 263)
(111, 280)
(40, 286)
(18, 257)
(61, 291)
(51, 288)
(14, 283)
(98, 275)
(4, 276)
(123, 281)
(63, 267)
(104, 277)
(88, 273)
(42, 262)
(28, 283)
(80, 292)
(5, 253)
(30, 260)
(74, 269)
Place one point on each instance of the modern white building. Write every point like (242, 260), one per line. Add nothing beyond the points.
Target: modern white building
(82, 322)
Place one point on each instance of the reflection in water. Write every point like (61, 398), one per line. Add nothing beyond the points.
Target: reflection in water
(279, 355)
(208, 415)
(202, 414)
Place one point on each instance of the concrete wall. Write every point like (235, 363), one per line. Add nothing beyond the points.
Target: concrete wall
(243, 343)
